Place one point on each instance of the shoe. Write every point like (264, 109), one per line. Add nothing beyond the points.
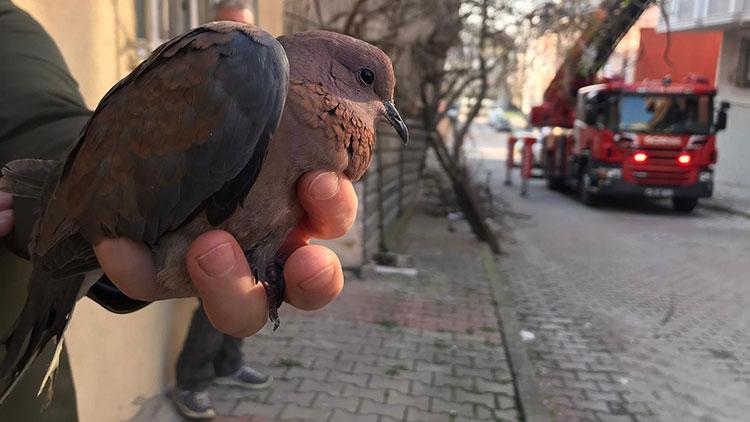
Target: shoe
(246, 377)
(194, 404)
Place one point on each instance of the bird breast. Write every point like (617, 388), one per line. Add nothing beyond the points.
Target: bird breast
(343, 124)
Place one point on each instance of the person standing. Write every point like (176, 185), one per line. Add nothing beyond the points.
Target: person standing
(209, 356)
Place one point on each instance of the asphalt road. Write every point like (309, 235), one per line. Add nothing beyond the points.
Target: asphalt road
(631, 311)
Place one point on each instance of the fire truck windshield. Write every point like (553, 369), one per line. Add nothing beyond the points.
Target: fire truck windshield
(679, 114)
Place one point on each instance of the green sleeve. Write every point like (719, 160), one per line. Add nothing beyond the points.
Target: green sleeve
(41, 115)
(41, 109)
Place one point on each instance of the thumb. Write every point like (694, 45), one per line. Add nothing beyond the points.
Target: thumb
(234, 302)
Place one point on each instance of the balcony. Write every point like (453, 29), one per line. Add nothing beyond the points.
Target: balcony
(685, 15)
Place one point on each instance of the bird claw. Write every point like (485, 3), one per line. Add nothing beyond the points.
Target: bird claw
(274, 284)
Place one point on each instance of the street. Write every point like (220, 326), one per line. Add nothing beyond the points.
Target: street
(630, 310)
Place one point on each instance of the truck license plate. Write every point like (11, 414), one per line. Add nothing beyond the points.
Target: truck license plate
(658, 193)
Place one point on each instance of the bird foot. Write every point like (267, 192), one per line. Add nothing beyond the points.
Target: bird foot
(274, 284)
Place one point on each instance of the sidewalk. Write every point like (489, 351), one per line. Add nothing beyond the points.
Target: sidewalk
(391, 348)
(729, 198)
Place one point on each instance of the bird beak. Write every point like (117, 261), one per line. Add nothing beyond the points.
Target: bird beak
(391, 114)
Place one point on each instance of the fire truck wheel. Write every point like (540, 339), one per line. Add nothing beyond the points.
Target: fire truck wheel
(587, 197)
(554, 183)
(684, 204)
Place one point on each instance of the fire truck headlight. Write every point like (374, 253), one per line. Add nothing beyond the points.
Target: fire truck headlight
(705, 176)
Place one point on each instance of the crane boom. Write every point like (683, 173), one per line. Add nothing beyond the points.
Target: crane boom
(604, 28)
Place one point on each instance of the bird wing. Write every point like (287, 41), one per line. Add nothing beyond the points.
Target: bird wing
(186, 131)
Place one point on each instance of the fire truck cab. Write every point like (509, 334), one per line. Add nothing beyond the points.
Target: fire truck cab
(654, 139)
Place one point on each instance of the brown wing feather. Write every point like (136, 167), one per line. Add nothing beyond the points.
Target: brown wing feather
(166, 140)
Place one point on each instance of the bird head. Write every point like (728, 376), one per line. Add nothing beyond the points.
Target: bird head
(356, 73)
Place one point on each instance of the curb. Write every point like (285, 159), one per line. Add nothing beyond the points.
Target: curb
(724, 209)
(529, 397)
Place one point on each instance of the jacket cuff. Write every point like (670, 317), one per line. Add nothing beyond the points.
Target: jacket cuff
(112, 299)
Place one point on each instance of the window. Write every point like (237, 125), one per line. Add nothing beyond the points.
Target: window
(160, 20)
(677, 114)
(743, 70)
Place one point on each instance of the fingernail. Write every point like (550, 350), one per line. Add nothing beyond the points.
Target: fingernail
(324, 186)
(218, 261)
(318, 281)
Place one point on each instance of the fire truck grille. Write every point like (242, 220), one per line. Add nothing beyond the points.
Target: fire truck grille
(661, 169)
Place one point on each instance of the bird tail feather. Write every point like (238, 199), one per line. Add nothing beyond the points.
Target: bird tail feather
(26, 178)
(45, 316)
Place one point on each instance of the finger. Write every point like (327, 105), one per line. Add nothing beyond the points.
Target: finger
(234, 303)
(313, 277)
(6, 214)
(130, 266)
(6, 222)
(6, 201)
(330, 202)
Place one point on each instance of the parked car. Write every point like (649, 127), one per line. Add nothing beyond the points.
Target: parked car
(496, 119)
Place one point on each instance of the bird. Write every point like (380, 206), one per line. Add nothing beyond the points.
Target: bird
(211, 131)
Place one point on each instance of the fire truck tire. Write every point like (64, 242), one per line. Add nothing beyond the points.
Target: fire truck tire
(588, 198)
(554, 183)
(684, 204)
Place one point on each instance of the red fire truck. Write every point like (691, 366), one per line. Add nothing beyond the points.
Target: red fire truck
(654, 138)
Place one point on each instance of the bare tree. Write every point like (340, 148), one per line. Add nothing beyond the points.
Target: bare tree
(462, 53)
(479, 48)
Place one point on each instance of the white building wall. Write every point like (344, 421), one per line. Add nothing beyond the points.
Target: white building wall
(733, 169)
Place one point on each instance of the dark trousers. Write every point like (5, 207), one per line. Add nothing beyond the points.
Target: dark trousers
(206, 354)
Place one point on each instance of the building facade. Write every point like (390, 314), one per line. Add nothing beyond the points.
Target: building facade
(731, 17)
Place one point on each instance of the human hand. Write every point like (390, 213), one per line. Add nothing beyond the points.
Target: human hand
(6, 213)
(233, 301)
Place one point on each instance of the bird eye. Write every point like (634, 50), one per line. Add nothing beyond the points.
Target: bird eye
(367, 76)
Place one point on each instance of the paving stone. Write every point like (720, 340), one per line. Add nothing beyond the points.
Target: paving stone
(344, 416)
(591, 405)
(396, 411)
(463, 371)
(358, 358)
(463, 396)
(594, 376)
(506, 415)
(433, 367)
(451, 381)
(603, 396)
(384, 382)
(417, 415)
(497, 362)
(425, 377)
(586, 385)
(310, 385)
(269, 410)
(331, 365)
(456, 359)
(638, 408)
(503, 386)
(609, 417)
(395, 397)
(505, 402)
(384, 361)
(328, 401)
(376, 394)
(307, 374)
(302, 398)
(460, 409)
(422, 389)
(342, 377)
(292, 411)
